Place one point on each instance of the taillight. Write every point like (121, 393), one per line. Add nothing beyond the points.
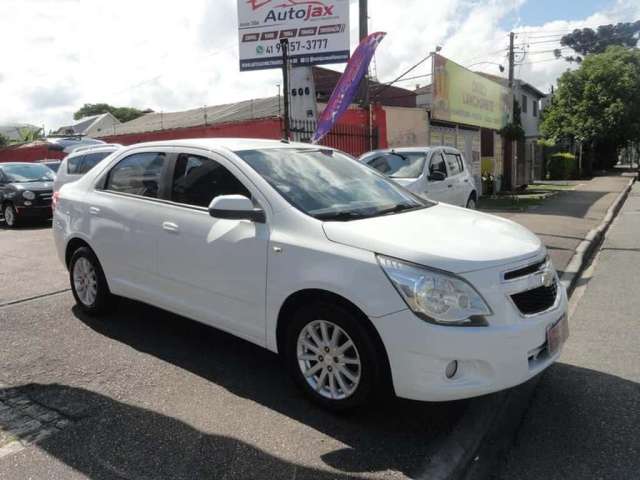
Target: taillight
(54, 200)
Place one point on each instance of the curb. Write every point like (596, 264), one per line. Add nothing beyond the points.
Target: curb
(592, 242)
(486, 428)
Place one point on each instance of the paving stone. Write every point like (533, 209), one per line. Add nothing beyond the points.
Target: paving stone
(24, 428)
(37, 436)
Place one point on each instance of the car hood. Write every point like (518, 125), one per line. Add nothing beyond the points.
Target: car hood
(34, 186)
(445, 237)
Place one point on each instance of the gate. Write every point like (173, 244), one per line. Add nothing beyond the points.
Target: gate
(352, 139)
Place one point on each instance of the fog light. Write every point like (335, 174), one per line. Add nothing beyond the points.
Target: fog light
(27, 203)
(452, 369)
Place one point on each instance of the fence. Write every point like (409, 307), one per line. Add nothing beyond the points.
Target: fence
(353, 139)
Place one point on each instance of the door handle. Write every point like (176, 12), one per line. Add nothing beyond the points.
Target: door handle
(466, 180)
(449, 186)
(170, 227)
(94, 210)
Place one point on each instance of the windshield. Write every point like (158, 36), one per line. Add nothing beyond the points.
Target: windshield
(399, 164)
(328, 185)
(28, 173)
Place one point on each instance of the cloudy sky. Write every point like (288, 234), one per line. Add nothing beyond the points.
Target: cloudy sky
(59, 54)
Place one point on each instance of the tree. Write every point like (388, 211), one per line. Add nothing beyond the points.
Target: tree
(4, 141)
(598, 105)
(587, 41)
(124, 114)
(28, 135)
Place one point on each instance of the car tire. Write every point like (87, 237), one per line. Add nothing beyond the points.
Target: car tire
(332, 374)
(10, 215)
(88, 283)
(472, 204)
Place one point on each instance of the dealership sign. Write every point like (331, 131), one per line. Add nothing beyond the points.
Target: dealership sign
(462, 96)
(317, 31)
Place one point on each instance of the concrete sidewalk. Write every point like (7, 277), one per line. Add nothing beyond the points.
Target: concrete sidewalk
(584, 418)
(564, 220)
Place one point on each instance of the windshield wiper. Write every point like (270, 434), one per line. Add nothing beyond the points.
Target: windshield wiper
(401, 207)
(340, 216)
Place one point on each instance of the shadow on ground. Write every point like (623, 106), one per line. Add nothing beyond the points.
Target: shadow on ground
(392, 435)
(582, 424)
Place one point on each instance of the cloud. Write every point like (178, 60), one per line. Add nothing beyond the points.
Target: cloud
(178, 55)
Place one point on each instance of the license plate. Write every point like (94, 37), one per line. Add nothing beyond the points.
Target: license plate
(557, 334)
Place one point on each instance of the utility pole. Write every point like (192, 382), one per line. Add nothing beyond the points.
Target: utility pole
(284, 44)
(511, 60)
(364, 33)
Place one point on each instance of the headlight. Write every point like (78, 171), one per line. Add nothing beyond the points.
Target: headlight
(28, 194)
(435, 296)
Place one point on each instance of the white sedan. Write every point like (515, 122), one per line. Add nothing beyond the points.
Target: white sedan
(440, 174)
(361, 286)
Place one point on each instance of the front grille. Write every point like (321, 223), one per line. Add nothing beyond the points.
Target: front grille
(43, 198)
(523, 272)
(536, 300)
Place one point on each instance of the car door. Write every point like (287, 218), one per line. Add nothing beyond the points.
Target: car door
(124, 216)
(213, 269)
(437, 187)
(457, 189)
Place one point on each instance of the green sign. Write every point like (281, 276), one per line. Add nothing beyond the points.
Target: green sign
(461, 96)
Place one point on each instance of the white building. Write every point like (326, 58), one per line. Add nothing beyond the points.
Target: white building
(93, 126)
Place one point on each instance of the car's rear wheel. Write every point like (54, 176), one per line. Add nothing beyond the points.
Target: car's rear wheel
(88, 283)
(10, 215)
(331, 356)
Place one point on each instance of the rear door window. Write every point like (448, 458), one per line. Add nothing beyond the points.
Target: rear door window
(74, 164)
(198, 180)
(138, 174)
(91, 160)
(452, 164)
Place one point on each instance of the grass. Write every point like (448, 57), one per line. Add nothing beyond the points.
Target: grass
(520, 201)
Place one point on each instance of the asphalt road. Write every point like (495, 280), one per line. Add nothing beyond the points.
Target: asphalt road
(153, 395)
(584, 418)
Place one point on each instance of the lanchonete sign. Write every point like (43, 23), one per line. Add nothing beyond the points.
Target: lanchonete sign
(317, 30)
(461, 96)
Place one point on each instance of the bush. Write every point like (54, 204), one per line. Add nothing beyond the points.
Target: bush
(561, 166)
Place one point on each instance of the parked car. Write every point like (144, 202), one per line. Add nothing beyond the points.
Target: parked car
(358, 283)
(25, 192)
(438, 173)
(80, 161)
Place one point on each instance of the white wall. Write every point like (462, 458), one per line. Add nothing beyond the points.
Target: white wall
(407, 127)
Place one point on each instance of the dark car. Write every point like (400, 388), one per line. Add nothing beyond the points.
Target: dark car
(52, 164)
(26, 190)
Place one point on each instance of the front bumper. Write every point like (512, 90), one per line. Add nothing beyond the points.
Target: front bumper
(34, 211)
(489, 358)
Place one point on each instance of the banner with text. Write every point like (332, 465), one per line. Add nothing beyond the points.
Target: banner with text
(462, 96)
(317, 30)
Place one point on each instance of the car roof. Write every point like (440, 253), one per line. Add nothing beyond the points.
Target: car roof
(4, 164)
(95, 149)
(232, 144)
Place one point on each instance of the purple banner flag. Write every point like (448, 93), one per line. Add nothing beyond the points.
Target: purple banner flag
(348, 85)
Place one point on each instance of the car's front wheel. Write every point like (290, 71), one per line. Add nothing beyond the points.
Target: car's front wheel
(10, 216)
(88, 283)
(332, 356)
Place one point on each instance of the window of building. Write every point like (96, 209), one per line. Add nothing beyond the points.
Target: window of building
(525, 100)
(535, 108)
(198, 180)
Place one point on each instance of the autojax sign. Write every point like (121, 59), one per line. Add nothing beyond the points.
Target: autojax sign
(317, 30)
(462, 96)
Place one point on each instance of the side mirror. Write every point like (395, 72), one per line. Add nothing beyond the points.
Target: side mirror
(437, 177)
(235, 207)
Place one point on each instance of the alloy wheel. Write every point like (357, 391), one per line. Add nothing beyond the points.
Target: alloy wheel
(329, 360)
(85, 281)
(9, 216)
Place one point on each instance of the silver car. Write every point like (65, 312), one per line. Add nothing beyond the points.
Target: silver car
(80, 161)
(440, 174)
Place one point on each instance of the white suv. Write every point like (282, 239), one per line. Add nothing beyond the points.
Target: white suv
(80, 161)
(438, 173)
(357, 282)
